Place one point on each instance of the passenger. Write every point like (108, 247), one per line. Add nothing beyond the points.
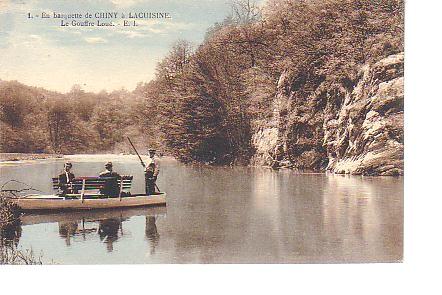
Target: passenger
(65, 180)
(151, 172)
(111, 187)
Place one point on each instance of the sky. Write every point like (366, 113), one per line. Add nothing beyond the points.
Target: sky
(40, 52)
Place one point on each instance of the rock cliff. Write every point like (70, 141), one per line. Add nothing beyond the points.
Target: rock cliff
(352, 129)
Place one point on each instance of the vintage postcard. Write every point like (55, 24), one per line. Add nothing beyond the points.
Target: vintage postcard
(202, 132)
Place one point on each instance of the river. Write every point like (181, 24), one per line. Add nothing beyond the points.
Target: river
(219, 215)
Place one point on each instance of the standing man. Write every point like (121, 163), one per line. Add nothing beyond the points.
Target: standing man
(151, 172)
(111, 185)
(65, 179)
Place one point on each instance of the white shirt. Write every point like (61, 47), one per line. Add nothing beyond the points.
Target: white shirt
(157, 165)
(67, 177)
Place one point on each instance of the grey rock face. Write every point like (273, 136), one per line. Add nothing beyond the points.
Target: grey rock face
(354, 131)
(368, 136)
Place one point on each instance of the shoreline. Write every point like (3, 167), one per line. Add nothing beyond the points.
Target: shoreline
(6, 158)
(15, 157)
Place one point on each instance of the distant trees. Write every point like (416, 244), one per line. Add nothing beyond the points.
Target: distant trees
(110, 119)
(21, 118)
(36, 120)
(60, 124)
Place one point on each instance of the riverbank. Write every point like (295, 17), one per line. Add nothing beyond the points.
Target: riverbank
(6, 157)
(9, 212)
(9, 230)
(11, 158)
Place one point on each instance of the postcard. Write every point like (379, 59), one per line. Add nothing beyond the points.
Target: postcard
(201, 132)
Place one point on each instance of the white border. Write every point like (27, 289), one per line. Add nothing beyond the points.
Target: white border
(420, 271)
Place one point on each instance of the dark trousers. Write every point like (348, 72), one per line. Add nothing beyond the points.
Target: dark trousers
(150, 184)
(111, 188)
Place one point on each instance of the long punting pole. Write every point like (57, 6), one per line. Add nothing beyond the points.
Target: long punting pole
(141, 160)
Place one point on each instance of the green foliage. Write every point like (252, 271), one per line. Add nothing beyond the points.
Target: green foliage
(36, 120)
(21, 118)
(9, 211)
(110, 120)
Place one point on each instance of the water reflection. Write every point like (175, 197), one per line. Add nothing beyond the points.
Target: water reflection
(106, 224)
(362, 214)
(225, 215)
(152, 234)
(67, 230)
(108, 231)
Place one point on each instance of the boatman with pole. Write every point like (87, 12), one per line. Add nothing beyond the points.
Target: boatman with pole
(151, 170)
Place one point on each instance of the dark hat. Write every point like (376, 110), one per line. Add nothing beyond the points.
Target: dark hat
(108, 164)
(152, 150)
(68, 164)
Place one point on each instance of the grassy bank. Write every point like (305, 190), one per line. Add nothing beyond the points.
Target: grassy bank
(10, 231)
(9, 212)
(11, 255)
(24, 156)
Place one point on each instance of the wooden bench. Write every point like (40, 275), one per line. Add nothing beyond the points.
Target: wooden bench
(80, 186)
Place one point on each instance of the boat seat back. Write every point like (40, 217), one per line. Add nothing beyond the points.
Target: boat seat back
(88, 183)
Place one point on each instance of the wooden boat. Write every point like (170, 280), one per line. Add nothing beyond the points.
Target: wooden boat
(57, 202)
(85, 195)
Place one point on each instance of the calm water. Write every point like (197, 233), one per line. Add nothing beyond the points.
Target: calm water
(220, 215)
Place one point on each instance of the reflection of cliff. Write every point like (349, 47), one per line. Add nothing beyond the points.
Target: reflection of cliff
(108, 231)
(152, 233)
(266, 204)
(300, 216)
(324, 218)
(353, 217)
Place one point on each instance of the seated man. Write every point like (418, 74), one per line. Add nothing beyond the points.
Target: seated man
(65, 180)
(111, 185)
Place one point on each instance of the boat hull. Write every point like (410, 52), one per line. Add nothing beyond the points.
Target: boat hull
(59, 203)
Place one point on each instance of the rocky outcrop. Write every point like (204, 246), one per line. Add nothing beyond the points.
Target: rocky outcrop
(367, 137)
(354, 130)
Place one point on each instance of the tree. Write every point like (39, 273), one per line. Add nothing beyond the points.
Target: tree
(245, 11)
(110, 120)
(60, 124)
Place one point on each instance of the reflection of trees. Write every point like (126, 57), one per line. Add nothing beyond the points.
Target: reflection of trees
(152, 233)
(209, 214)
(10, 234)
(108, 231)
